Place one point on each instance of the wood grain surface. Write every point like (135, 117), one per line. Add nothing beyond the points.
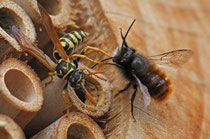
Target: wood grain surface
(160, 26)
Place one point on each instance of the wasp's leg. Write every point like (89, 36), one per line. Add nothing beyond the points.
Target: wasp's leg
(84, 51)
(94, 73)
(74, 56)
(66, 100)
(51, 74)
(94, 49)
(88, 95)
(132, 100)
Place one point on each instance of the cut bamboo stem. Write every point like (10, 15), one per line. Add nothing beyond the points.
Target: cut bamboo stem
(100, 90)
(21, 91)
(60, 11)
(30, 6)
(9, 129)
(55, 106)
(12, 14)
(75, 125)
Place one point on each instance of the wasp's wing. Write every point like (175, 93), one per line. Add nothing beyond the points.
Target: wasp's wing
(144, 91)
(176, 57)
(52, 32)
(27, 45)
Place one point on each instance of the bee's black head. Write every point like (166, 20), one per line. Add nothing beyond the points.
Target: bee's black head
(76, 79)
(124, 54)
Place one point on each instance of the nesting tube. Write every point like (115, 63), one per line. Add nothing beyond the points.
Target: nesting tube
(12, 14)
(60, 11)
(75, 125)
(9, 129)
(100, 90)
(30, 6)
(21, 91)
(55, 106)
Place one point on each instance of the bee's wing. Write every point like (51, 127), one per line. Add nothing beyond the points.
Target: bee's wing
(176, 57)
(26, 43)
(52, 32)
(144, 91)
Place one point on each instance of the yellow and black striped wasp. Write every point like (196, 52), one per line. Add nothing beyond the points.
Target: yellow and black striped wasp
(67, 63)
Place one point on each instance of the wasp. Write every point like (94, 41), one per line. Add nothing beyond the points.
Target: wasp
(141, 71)
(66, 67)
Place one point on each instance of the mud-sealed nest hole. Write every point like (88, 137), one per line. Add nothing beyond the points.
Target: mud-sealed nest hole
(77, 131)
(53, 7)
(8, 19)
(19, 85)
(93, 87)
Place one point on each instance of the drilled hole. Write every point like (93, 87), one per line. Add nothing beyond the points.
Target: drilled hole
(20, 85)
(77, 131)
(52, 6)
(4, 134)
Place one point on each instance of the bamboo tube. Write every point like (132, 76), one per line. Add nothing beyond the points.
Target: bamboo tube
(55, 106)
(100, 90)
(12, 14)
(21, 91)
(30, 6)
(60, 11)
(9, 129)
(76, 125)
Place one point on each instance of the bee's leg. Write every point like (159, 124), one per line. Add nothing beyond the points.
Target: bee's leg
(94, 49)
(124, 89)
(66, 100)
(51, 74)
(94, 73)
(74, 56)
(132, 100)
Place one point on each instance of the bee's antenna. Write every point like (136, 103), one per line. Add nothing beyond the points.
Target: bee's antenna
(124, 37)
(124, 42)
(102, 61)
(129, 28)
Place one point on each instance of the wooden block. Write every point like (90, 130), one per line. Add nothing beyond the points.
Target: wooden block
(160, 26)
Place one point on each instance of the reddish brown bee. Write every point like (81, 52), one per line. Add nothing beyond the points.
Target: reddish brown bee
(141, 71)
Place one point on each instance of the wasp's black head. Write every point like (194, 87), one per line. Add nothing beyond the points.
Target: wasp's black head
(76, 79)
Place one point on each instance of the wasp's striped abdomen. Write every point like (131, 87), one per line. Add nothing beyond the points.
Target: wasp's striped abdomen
(69, 42)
